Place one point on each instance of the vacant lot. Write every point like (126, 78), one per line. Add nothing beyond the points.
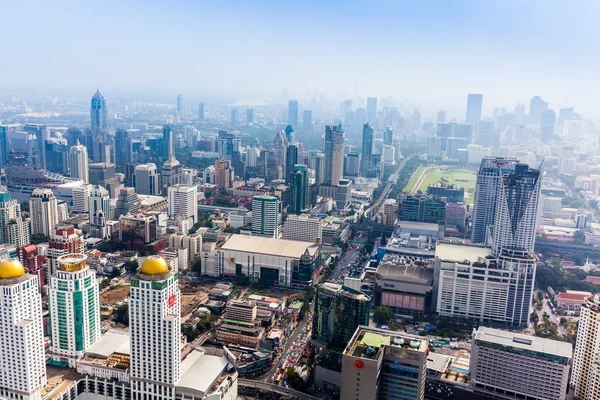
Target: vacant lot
(114, 296)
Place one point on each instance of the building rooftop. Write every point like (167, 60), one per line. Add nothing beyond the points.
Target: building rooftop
(368, 342)
(200, 371)
(460, 252)
(402, 268)
(523, 342)
(346, 291)
(275, 247)
(438, 362)
(113, 341)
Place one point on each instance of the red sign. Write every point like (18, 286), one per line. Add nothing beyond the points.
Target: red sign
(359, 364)
(171, 301)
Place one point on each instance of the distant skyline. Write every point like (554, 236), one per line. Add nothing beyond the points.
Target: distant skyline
(432, 52)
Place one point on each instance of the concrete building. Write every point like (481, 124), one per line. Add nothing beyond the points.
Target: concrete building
(23, 373)
(78, 158)
(381, 364)
(43, 210)
(74, 305)
(390, 211)
(13, 228)
(127, 202)
(303, 228)
(241, 310)
(98, 203)
(170, 175)
(145, 180)
(586, 360)
(343, 194)
(300, 195)
(334, 154)
(367, 149)
(137, 228)
(183, 202)
(81, 196)
(64, 240)
(474, 106)
(266, 216)
(519, 366)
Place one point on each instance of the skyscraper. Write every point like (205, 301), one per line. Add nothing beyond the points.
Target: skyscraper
(123, 148)
(266, 217)
(64, 240)
(42, 133)
(388, 136)
(474, 106)
(145, 179)
(170, 175)
(234, 116)
(98, 204)
(183, 202)
(99, 119)
(367, 149)
(249, 115)
(536, 107)
(371, 110)
(586, 360)
(127, 202)
(316, 162)
(78, 157)
(73, 293)
(155, 331)
(22, 358)
(292, 157)
(180, 106)
(43, 209)
(201, 109)
(168, 141)
(490, 171)
(300, 201)
(307, 120)
(293, 113)
(334, 154)
(547, 121)
(280, 144)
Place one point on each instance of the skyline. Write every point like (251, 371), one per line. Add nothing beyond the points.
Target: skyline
(432, 54)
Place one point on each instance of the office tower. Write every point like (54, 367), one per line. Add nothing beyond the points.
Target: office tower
(490, 171)
(565, 114)
(280, 144)
(536, 107)
(170, 174)
(43, 210)
(123, 148)
(293, 113)
(5, 131)
(78, 157)
(228, 143)
(155, 331)
(234, 116)
(382, 364)
(519, 366)
(74, 305)
(516, 210)
(252, 154)
(201, 109)
(343, 194)
(586, 360)
(334, 154)
(137, 227)
(352, 164)
(22, 358)
(339, 311)
(183, 202)
(289, 134)
(388, 136)
(99, 119)
(299, 187)
(64, 240)
(266, 217)
(293, 156)
(42, 133)
(98, 200)
(547, 125)
(57, 155)
(441, 117)
(180, 106)
(223, 174)
(145, 179)
(390, 211)
(367, 149)
(249, 115)
(303, 228)
(372, 110)
(316, 162)
(80, 199)
(168, 141)
(13, 228)
(474, 106)
(307, 121)
(127, 202)
(421, 208)
(102, 174)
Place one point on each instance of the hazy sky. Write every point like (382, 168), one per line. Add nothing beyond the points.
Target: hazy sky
(435, 51)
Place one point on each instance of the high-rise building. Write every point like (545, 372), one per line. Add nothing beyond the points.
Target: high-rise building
(343, 194)
(547, 121)
(29, 256)
(474, 107)
(98, 201)
(170, 174)
(252, 154)
(81, 196)
(266, 216)
(293, 113)
(352, 164)
(168, 141)
(201, 110)
(519, 366)
(155, 331)
(102, 174)
(38, 153)
(536, 107)
(586, 360)
(316, 162)
(127, 202)
(382, 364)
(145, 179)
(43, 210)
(74, 305)
(78, 157)
(249, 116)
(293, 156)
(123, 147)
(64, 240)
(307, 121)
(367, 149)
(486, 191)
(234, 116)
(223, 173)
(339, 310)
(180, 106)
(228, 144)
(13, 228)
(421, 208)
(23, 359)
(280, 144)
(372, 110)
(388, 136)
(300, 201)
(390, 211)
(334, 154)
(183, 202)
(303, 228)
(99, 119)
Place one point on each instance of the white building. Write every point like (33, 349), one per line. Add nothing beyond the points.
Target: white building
(22, 358)
(266, 216)
(552, 204)
(98, 200)
(81, 200)
(586, 360)
(43, 209)
(78, 158)
(183, 201)
(518, 365)
(191, 242)
(13, 228)
(145, 179)
(74, 304)
(303, 228)
(389, 155)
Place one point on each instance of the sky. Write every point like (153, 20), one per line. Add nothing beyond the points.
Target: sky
(429, 51)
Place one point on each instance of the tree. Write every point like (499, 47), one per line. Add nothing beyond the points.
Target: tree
(121, 314)
(197, 265)
(593, 204)
(579, 237)
(383, 314)
(39, 238)
(131, 266)
(115, 272)
(295, 380)
(104, 284)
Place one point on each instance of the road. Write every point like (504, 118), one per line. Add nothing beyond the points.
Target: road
(387, 189)
(267, 387)
(342, 265)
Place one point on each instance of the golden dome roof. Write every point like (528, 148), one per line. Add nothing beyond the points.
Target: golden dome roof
(11, 269)
(154, 265)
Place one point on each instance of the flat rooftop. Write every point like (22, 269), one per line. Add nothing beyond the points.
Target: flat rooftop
(274, 247)
(525, 342)
(367, 342)
(460, 252)
(346, 291)
(200, 371)
(113, 341)
(404, 271)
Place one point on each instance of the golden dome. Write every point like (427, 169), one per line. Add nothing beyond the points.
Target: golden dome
(154, 265)
(11, 269)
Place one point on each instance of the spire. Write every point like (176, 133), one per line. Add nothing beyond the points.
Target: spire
(77, 144)
(98, 96)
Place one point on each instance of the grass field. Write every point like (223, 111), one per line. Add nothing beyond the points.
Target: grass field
(460, 177)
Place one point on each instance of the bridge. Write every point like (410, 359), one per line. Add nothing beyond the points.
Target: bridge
(268, 387)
